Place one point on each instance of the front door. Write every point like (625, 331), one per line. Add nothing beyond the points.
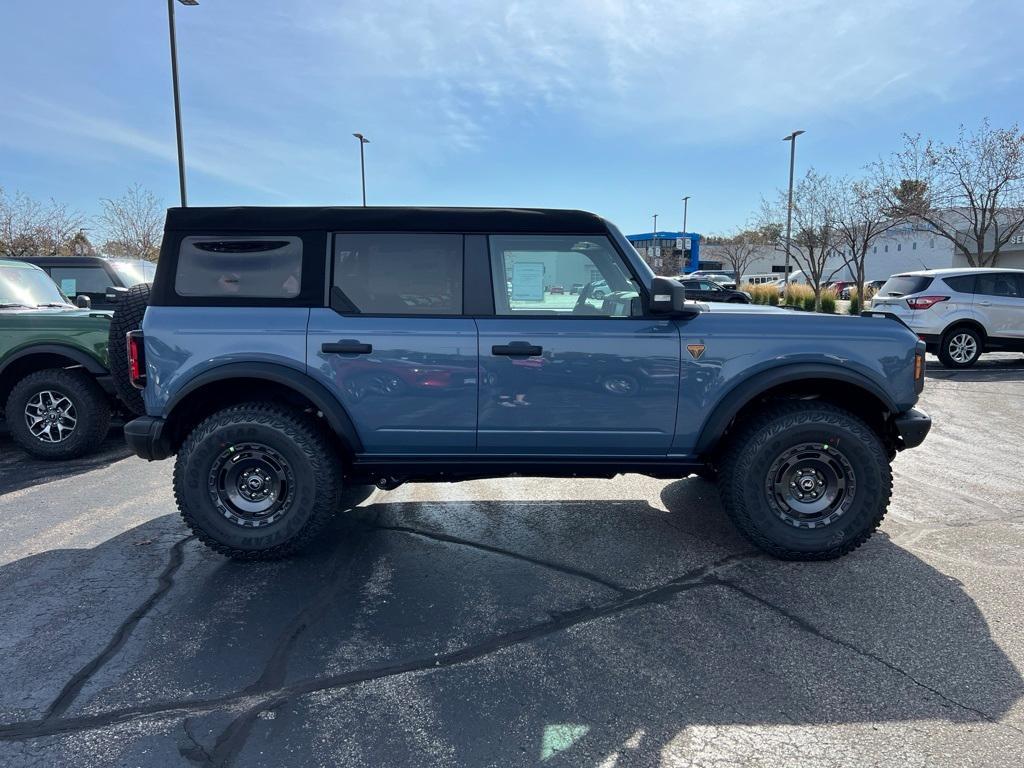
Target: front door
(393, 347)
(999, 297)
(565, 373)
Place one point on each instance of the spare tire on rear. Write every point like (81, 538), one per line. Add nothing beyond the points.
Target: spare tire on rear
(127, 317)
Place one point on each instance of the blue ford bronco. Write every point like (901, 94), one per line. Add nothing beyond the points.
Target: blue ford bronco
(284, 353)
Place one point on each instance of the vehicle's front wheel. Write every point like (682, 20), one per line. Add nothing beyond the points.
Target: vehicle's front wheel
(806, 480)
(257, 482)
(58, 413)
(960, 347)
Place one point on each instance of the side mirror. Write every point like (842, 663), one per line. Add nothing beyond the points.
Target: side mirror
(668, 297)
(115, 292)
(83, 302)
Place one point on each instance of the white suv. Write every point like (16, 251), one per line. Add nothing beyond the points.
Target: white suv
(959, 313)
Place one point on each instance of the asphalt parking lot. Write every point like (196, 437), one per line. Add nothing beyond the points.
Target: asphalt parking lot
(521, 622)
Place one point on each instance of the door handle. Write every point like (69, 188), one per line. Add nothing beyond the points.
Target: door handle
(517, 349)
(346, 347)
(984, 303)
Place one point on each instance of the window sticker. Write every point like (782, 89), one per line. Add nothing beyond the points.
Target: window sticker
(528, 281)
(69, 286)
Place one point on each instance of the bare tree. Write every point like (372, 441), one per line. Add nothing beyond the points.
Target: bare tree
(815, 244)
(739, 250)
(133, 224)
(31, 228)
(860, 216)
(970, 192)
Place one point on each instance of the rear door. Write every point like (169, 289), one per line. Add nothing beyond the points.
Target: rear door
(572, 374)
(393, 345)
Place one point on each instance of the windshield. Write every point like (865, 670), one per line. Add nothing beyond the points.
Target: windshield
(24, 287)
(134, 272)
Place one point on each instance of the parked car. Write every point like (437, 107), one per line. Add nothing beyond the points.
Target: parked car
(245, 347)
(959, 313)
(55, 387)
(102, 280)
(708, 290)
(870, 287)
(726, 281)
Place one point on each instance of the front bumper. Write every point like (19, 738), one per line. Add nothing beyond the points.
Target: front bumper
(912, 426)
(146, 439)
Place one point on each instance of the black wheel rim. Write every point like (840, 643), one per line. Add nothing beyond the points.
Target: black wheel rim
(811, 485)
(252, 485)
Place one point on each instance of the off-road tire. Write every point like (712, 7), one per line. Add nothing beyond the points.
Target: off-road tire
(945, 356)
(744, 479)
(299, 440)
(92, 410)
(127, 317)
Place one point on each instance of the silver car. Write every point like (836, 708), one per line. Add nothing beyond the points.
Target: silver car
(959, 313)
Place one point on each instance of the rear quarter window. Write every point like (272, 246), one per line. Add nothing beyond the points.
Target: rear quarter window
(904, 285)
(244, 267)
(960, 283)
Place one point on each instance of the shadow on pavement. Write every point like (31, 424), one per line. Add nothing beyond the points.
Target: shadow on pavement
(1002, 367)
(19, 469)
(483, 633)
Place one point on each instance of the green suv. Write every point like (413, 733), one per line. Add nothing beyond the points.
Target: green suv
(55, 389)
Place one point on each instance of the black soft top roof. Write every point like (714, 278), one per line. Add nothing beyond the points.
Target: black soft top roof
(262, 219)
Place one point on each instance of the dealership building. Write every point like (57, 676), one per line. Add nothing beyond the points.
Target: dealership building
(904, 248)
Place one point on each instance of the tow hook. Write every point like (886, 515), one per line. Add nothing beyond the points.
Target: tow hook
(388, 483)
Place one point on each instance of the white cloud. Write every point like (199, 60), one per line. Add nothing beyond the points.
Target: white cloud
(723, 65)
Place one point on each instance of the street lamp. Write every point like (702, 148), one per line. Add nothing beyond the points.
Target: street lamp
(789, 208)
(686, 205)
(177, 99)
(362, 162)
(654, 238)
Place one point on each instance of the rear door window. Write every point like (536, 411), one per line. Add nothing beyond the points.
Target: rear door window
(904, 285)
(998, 284)
(242, 267)
(397, 274)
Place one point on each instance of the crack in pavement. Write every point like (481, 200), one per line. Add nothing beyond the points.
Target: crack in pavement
(232, 739)
(567, 570)
(73, 687)
(821, 634)
(255, 702)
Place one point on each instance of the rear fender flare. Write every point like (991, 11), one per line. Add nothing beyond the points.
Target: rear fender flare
(312, 390)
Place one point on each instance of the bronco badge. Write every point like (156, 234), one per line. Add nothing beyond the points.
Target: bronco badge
(695, 350)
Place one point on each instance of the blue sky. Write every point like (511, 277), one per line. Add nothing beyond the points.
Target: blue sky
(616, 107)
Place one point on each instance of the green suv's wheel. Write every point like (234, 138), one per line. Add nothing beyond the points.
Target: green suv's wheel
(58, 413)
(257, 482)
(806, 481)
(960, 347)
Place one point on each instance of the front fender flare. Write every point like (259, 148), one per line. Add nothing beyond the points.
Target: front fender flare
(758, 383)
(79, 356)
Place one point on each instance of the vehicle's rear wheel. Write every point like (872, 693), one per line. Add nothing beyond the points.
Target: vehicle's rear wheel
(127, 317)
(960, 347)
(257, 482)
(58, 413)
(806, 481)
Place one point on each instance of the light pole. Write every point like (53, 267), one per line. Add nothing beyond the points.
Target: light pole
(362, 162)
(177, 98)
(789, 208)
(686, 205)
